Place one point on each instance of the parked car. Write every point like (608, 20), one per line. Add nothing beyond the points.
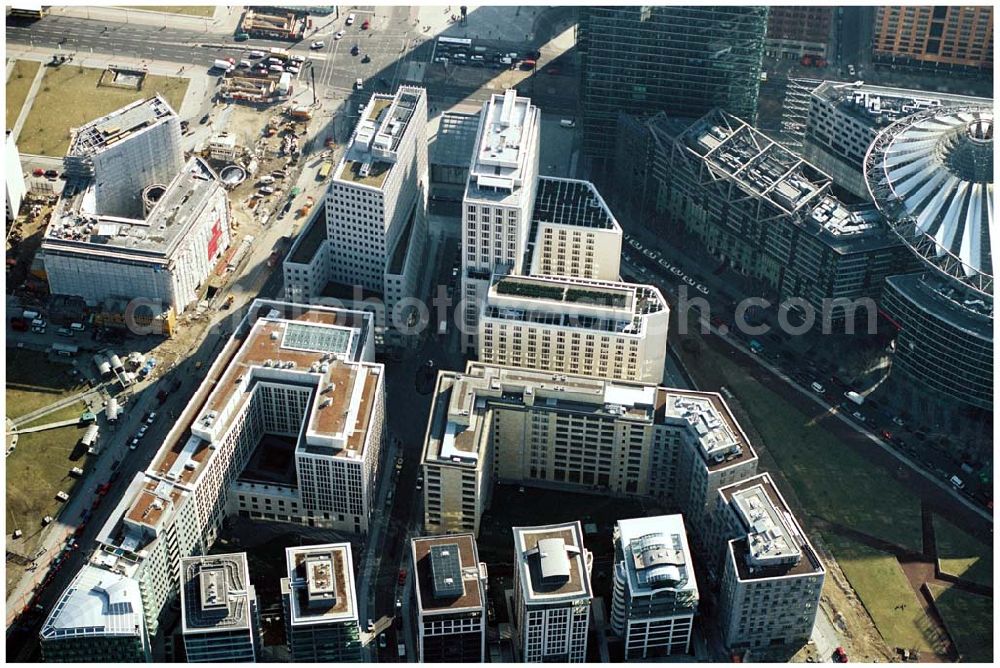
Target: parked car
(359, 83)
(142, 430)
(38, 172)
(350, 20)
(203, 120)
(134, 444)
(355, 50)
(242, 37)
(292, 69)
(266, 190)
(151, 418)
(51, 174)
(366, 59)
(365, 25)
(819, 389)
(381, 641)
(371, 625)
(858, 416)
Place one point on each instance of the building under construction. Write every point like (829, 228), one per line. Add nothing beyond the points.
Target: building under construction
(254, 90)
(274, 23)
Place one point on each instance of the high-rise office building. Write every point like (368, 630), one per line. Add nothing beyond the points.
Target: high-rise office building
(499, 196)
(552, 593)
(320, 606)
(655, 591)
(450, 585)
(795, 32)
(124, 152)
(293, 384)
(658, 58)
(768, 214)
(771, 577)
(585, 434)
(375, 215)
(98, 618)
(219, 617)
(934, 36)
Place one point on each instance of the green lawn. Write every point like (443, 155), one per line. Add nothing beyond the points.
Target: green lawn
(831, 480)
(961, 555)
(208, 10)
(33, 382)
(36, 471)
(18, 85)
(882, 586)
(969, 619)
(69, 97)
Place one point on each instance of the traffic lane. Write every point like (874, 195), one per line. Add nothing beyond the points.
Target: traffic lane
(939, 500)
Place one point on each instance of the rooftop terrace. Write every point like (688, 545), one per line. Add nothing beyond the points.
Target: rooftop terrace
(374, 147)
(321, 583)
(216, 594)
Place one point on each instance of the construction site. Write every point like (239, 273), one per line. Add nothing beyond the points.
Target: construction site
(274, 23)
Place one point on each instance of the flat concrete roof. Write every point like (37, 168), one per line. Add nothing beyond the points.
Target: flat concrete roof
(472, 595)
(552, 563)
(320, 584)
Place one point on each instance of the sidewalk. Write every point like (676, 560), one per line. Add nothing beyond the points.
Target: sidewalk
(147, 17)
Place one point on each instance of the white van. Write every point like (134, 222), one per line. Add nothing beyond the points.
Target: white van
(957, 482)
(76, 327)
(30, 315)
(567, 123)
(257, 54)
(350, 20)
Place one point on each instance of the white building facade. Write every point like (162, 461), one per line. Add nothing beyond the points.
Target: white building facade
(655, 596)
(162, 259)
(552, 593)
(175, 508)
(220, 622)
(499, 195)
(595, 328)
(516, 426)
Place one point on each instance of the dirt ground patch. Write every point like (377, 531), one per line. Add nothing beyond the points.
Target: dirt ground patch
(69, 97)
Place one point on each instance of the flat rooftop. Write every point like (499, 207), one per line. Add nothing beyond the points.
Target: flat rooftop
(454, 433)
(123, 123)
(320, 584)
(96, 603)
(656, 556)
(455, 141)
(500, 167)
(447, 575)
(947, 300)
(374, 147)
(880, 106)
(75, 227)
(552, 564)
(272, 337)
(720, 439)
(216, 594)
(774, 545)
(608, 306)
(311, 238)
(571, 202)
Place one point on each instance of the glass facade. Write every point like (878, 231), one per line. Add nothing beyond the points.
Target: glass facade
(681, 60)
